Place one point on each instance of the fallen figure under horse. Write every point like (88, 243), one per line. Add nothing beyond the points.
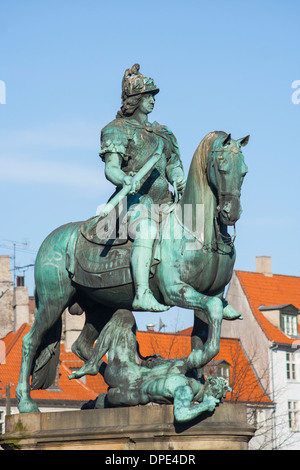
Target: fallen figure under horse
(151, 380)
(192, 277)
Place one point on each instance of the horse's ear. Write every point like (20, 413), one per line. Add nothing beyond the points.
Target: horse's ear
(227, 140)
(244, 141)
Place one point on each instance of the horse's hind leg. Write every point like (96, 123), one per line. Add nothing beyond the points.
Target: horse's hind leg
(53, 295)
(46, 318)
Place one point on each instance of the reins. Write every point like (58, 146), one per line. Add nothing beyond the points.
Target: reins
(222, 242)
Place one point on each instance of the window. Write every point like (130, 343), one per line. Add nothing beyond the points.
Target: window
(259, 417)
(289, 324)
(224, 371)
(218, 368)
(290, 366)
(293, 415)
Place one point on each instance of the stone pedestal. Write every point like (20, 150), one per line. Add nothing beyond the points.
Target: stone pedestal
(149, 427)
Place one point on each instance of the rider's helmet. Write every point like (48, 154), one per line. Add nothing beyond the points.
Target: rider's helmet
(134, 83)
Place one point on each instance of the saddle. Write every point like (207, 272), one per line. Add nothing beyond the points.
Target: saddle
(110, 231)
(96, 262)
(101, 265)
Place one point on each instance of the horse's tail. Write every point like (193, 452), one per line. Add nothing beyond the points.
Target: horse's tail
(47, 358)
(44, 368)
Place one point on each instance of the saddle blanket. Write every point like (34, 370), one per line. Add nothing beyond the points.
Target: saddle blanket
(100, 266)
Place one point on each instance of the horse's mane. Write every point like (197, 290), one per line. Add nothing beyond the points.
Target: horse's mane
(203, 150)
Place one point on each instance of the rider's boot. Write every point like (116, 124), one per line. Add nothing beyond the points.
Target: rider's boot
(141, 255)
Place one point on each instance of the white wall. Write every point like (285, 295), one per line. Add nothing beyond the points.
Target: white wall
(284, 391)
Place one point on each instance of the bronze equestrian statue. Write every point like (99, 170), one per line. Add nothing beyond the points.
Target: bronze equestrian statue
(160, 260)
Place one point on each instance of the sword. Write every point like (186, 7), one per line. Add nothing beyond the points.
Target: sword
(136, 179)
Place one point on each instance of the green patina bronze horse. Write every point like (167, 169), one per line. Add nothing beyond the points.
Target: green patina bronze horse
(191, 270)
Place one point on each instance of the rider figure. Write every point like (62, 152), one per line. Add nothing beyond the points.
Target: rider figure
(127, 143)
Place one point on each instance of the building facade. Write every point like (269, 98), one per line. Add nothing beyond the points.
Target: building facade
(269, 333)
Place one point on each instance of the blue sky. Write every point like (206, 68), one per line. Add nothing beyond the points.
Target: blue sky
(219, 65)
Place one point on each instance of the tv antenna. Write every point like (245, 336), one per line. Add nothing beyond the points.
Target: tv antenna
(16, 245)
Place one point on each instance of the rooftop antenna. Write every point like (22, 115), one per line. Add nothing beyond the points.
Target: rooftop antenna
(25, 268)
(15, 245)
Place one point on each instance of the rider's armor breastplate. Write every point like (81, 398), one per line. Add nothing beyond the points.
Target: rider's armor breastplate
(136, 143)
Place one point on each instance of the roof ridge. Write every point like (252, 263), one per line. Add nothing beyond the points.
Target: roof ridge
(177, 333)
(14, 340)
(257, 313)
(262, 274)
(237, 340)
(252, 306)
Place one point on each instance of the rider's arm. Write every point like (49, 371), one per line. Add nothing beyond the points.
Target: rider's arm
(115, 175)
(113, 171)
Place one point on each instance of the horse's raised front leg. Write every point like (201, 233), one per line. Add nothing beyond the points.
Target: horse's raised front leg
(185, 296)
(200, 354)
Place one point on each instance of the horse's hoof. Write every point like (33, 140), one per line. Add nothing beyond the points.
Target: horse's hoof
(28, 406)
(230, 314)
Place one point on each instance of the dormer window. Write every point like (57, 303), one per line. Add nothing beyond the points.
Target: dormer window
(218, 368)
(289, 324)
(284, 317)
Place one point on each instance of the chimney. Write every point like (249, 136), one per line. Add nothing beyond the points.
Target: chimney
(150, 326)
(20, 281)
(263, 265)
(20, 304)
(6, 296)
(73, 323)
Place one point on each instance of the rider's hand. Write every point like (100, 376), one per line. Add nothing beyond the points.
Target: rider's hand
(179, 183)
(129, 181)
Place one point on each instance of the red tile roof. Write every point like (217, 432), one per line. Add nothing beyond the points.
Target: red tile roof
(10, 363)
(93, 382)
(167, 345)
(243, 381)
(270, 290)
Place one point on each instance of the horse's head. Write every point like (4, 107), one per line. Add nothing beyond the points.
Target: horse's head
(225, 171)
